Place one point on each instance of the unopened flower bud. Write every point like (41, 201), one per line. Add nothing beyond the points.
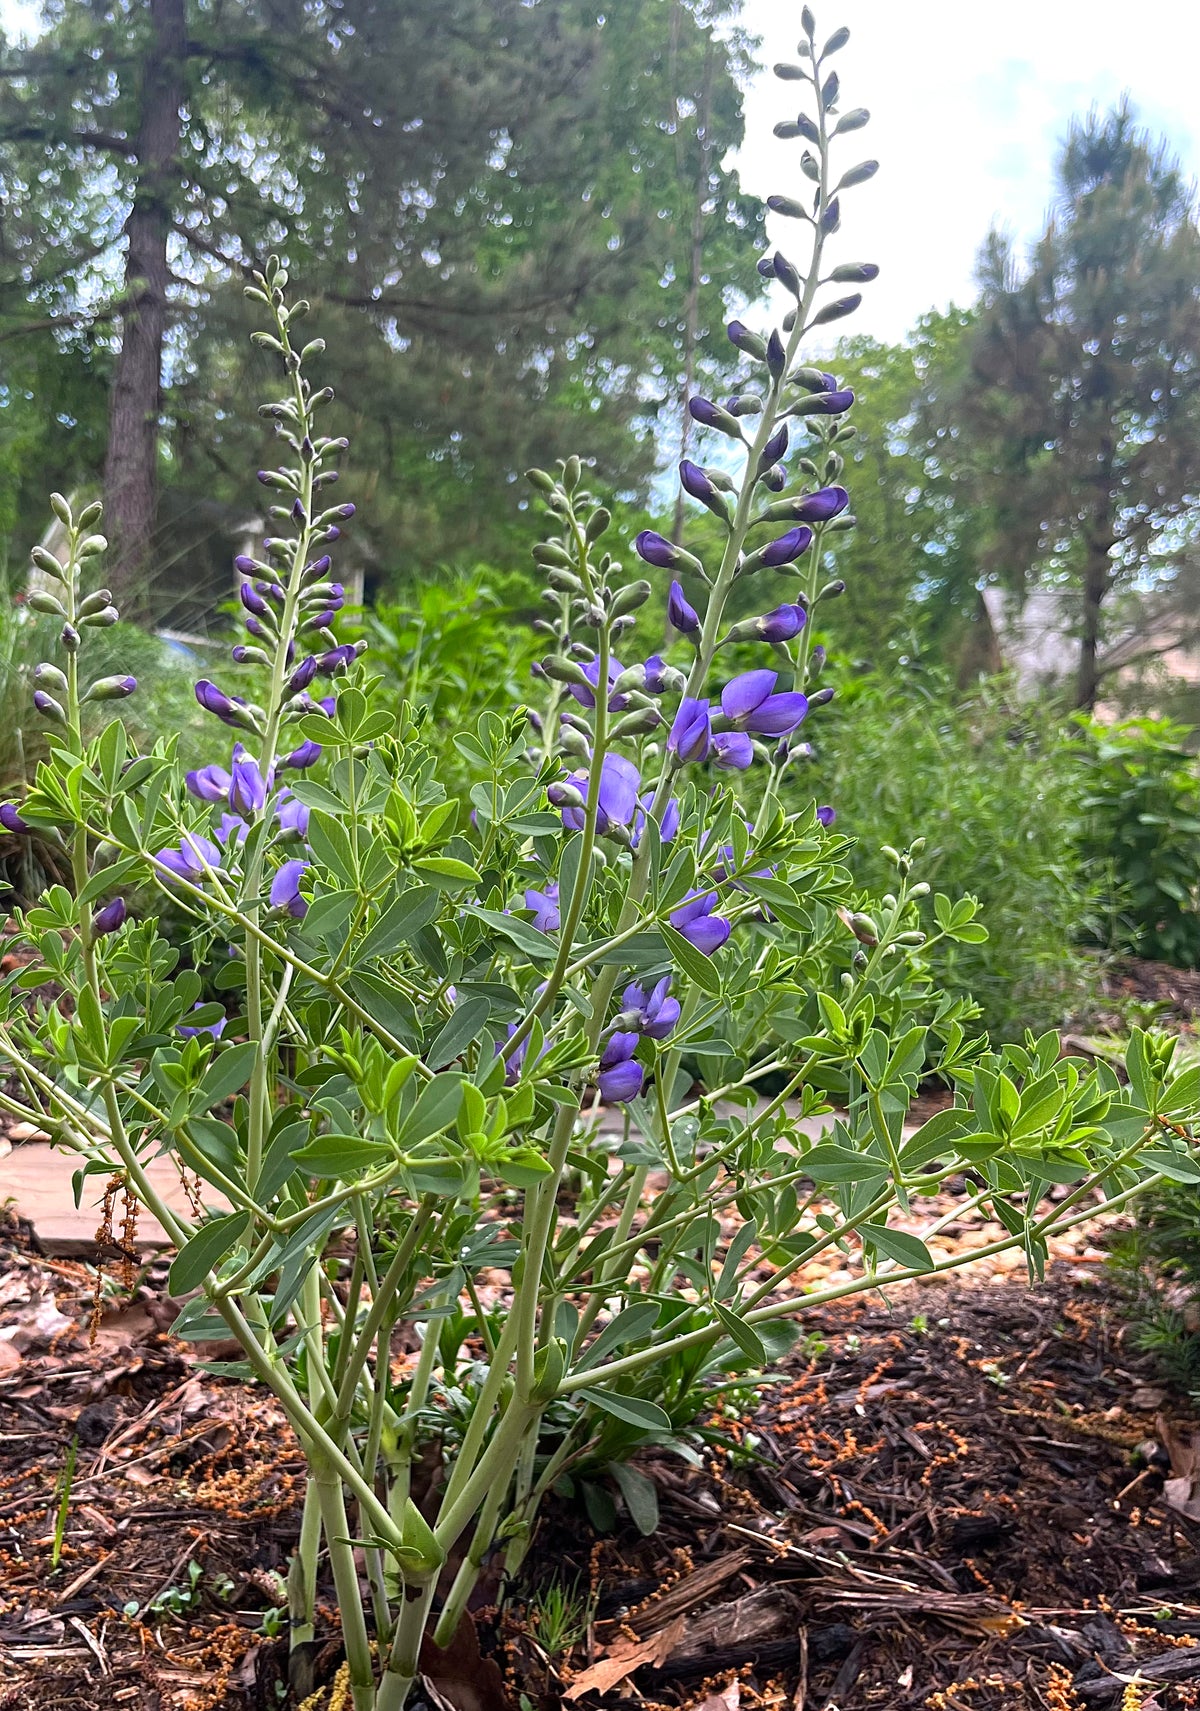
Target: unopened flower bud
(95, 602)
(42, 601)
(110, 689)
(48, 564)
(816, 662)
(12, 821)
(560, 794)
(109, 917)
(69, 638)
(821, 698)
(49, 708)
(711, 415)
(629, 598)
(636, 724)
(89, 547)
(249, 656)
(50, 677)
(751, 344)
(831, 590)
(540, 480)
(776, 355)
(104, 619)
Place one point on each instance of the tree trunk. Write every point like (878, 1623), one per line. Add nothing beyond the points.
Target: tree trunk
(1095, 586)
(130, 470)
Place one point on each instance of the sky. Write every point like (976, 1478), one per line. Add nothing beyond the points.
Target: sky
(969, 100)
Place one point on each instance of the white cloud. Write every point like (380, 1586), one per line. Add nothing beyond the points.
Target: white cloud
(968, 103)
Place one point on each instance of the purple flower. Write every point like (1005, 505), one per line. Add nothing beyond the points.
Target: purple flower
(820, 506)
(285, 887)
(108, 918)
(305, 755)
(303, 675)
(656, 549)
(699, 926)
(694, 481)
(781, 624)
(248, 787)
(192, 859)
(827, 815)
(514, 1064)
(213, 700)
(786, 548)
(11, 820)
(292, 815)
(252, 600)
(829, 403)
(586, 697)
(620, 1078)
(232, 829)
(670, 818)
(691, 732)
(337, 659)
(216, 1029)
(776, 354)
(546, 917)
(749, 705)
(680, 614)
(619, 781)
(733, 750)
(653, 1015)
(209, 783)
(656, 675)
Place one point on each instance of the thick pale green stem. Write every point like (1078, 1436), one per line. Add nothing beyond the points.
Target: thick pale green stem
(302, 1571)
(346, 1585)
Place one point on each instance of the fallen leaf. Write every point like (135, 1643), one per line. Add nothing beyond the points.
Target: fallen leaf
(729, 1698)
(460, 1676)
(625, 1656)
(36, 1325)
(10, 1357)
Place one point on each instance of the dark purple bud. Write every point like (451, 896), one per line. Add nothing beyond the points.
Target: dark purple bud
(821, 699)
(12, 821)
(247, 566)
(775, 479)
(656, 549)
(708, 414)
(766, 266)
(680, 614)
(785, 273)
(831, 218)
(816, 661)
(345, 512)
(750, 343)
(212, 700)
(827, 815)
(776, 355)
(786, 548)
(316, 570)
(285, 888)
(781, 625)
(303, 674)
(322, 620)
(774, 448)
(656, 675)
(48, 707)
(825, 503)
(299, 514)
(337, 659)
(255, 629)
(694, 481)
(252, 600)
(108, 918)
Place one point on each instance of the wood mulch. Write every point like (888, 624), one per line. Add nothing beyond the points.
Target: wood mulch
(970, 1497)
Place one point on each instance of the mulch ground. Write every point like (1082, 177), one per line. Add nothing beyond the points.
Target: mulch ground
(970, 1497)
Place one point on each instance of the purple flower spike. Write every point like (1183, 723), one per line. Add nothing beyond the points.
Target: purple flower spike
(305, 755)
(216, 1029)
(787, 548)
(248, 788)
(682, 616)
(209, 783)
(694, 481)
(749, 705)
(699, 926)
(827, 815)
(733, 750)
(110, 917)
(11, 820)
(620, 1078)
(783, 624)
(656, 1013)
(285, 888)
(546, 917)
(691, 733)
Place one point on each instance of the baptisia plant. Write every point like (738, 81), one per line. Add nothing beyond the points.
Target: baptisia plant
(574, 1033)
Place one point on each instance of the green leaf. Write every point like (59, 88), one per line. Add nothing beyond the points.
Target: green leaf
(631, 1325)
(229, 1070)
(466, 1023)
(640, 1494)
(523, 1167)
(330, 843)
(906, 1250)
(743, 1335)
(204, 1252)
(401, 921)
(522, 934)
(698, 967)
(451, 872)
(829, 1163)
(341, 1155)
(1178, 1167)
(634, 1410)
(436, 1108)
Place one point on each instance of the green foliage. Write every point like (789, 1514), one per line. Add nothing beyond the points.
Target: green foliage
(995, 792)
(1141, 822)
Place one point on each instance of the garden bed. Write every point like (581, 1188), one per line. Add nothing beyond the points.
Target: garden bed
(964, 1485)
